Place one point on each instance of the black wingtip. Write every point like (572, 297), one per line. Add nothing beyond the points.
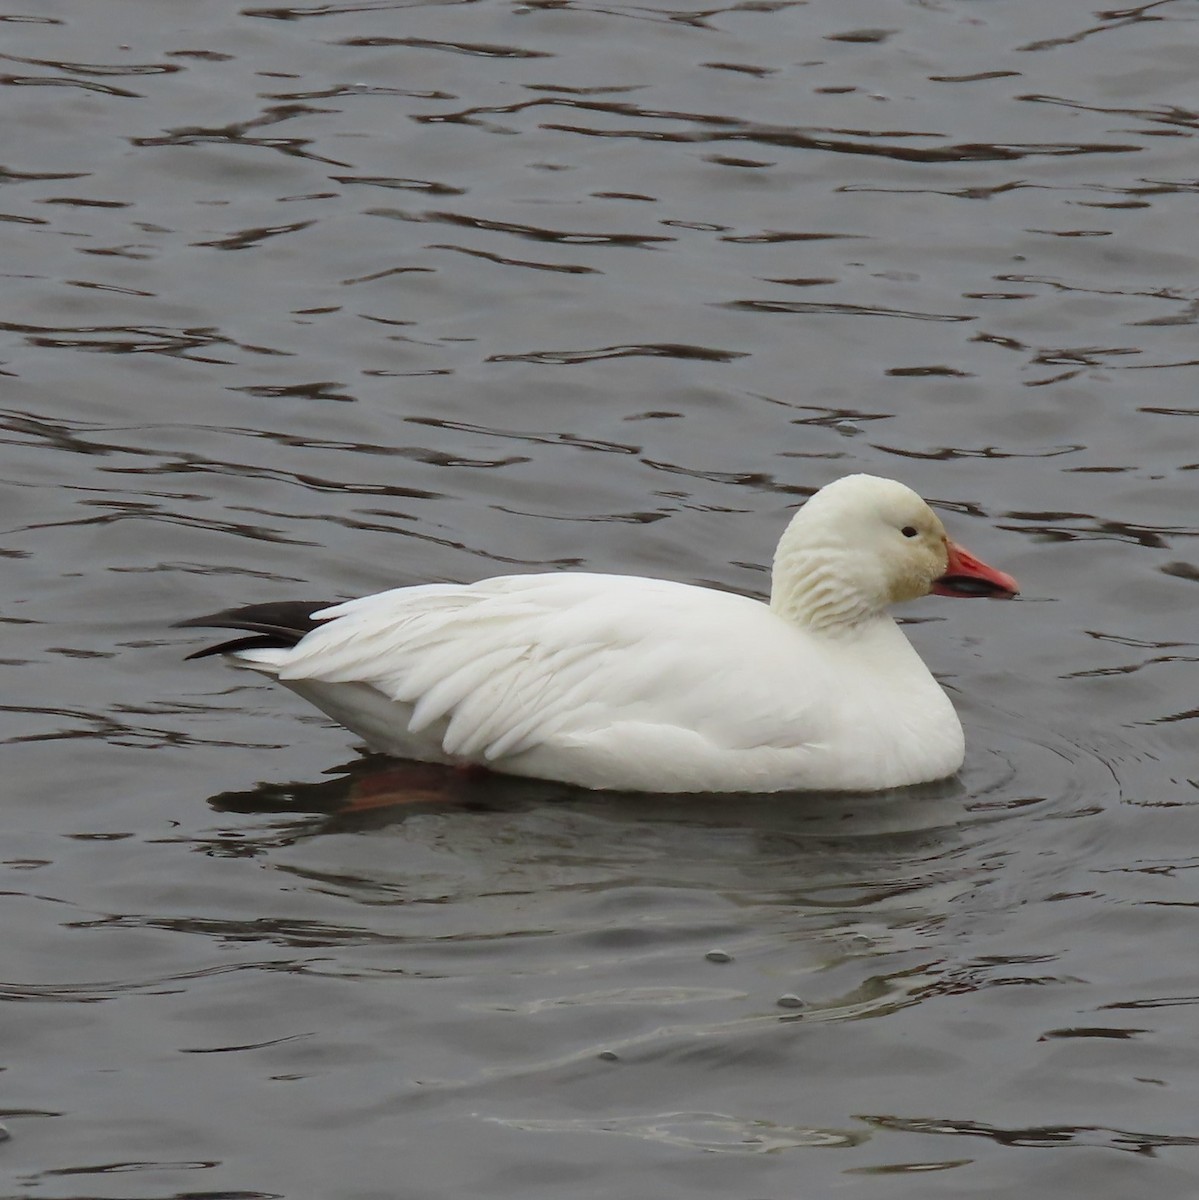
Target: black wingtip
(255, 641)
(269, 626)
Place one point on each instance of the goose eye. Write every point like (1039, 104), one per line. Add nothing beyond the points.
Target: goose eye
(909, 531)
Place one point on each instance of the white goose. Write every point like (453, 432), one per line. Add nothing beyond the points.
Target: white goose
(613, 681)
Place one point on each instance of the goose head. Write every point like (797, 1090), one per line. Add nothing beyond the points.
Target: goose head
(863, 543)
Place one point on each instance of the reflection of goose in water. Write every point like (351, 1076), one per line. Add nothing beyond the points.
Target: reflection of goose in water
(609, 681)
(430, 824)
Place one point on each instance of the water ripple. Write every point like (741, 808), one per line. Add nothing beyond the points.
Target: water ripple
(659, 350)
(1042, 1136)
(713, 1133)
(774, 243)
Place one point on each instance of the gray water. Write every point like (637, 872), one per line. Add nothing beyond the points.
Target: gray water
(310, 301)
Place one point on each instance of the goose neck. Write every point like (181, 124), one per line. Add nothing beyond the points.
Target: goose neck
(812, 589)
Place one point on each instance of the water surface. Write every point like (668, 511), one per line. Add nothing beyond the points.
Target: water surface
(318, 299)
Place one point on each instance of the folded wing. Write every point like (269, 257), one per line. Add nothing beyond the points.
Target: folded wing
(491, 670)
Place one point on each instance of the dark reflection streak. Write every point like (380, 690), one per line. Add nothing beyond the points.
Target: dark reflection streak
(393, 323)
(477, 49)
(429, 187)
(773, 237)
(1155, 187)
(948, 453)
(1137, 10)
(942, 372)
(536, 437)
(254, 237)
(83, 84)
(1189, 315)
(977, 77)
(813, 306)
(293, 147)
(697, 19)
(150, 1165)
(145, 339)
(365, 526)
(1046, 1136)
(830, 418)
(1131, 668)
(613, 107)
(1189, 714)
(768, 135)
(135, 251)
(1167, 116)
(193, 465)
(153, 493)
(995, 339)
(1181, 570)
(966, 193)
(1156, 1002)
(758, 481)
(321, 389)
(1135, 643)
(1158, 187)
(359, 89)
(91, 993)
(82, 202)
(376, 275)
(533, 233)
(1186, 362)
(564, 268)
(179, 566)
(632, 518)
(313, 443)
(208, 56)
(773, 135)
(96, 68)
(292, 933)
(237, 135)
(8, 175)
(799, 281)
(1058, 285)
(663, 350)
(741, 68)
(965, 152)
(1143, 535)
(59, 436)
(279, 1041)
(106, 728)
(1032, 383)
(562, 563)
(132, 511)
(62, 436)
(298, 13)
(1115, 19)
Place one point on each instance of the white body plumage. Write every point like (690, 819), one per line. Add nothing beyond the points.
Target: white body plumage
(611, 681)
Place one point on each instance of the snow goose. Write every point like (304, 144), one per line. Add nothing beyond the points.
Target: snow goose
(614, 681)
